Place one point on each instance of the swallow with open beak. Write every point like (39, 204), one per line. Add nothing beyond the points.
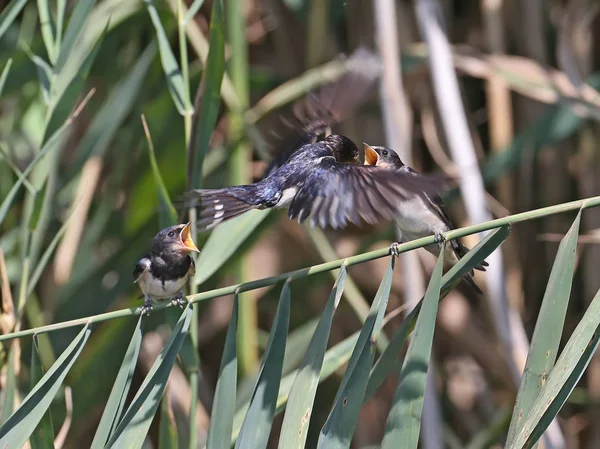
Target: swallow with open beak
(164, 272)
(422, 215)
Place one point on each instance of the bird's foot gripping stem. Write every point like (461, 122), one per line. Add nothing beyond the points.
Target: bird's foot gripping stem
(147, 307)
(394, 251)
(440, 238)
(179, 300)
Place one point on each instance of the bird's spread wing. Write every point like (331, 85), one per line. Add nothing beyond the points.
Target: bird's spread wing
(141, 267)
(335, 194)
(317, 111)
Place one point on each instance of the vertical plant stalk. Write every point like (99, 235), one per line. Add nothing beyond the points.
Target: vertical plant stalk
(239, 165)
(397, 119)
(317, 32)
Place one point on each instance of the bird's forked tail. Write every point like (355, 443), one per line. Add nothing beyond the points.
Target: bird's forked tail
(219, 205)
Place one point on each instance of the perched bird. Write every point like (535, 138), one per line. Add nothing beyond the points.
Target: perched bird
(164, 272)
(422, 215)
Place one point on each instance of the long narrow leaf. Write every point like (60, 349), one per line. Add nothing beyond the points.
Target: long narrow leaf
(390, 360)
(167, 434)
(339, 427)
(48, 28)
(256, 427)
(9, 14)
(10, 389)
(219, 432)
(43, 435)
(302, 395)
(116, 401)
(224, 242)
(569, 368)
(169, 63)
(132, 429)
(18, 428)
(78, 19)
(404, 420)
(548, 330)
(4, 75)
(211, 98)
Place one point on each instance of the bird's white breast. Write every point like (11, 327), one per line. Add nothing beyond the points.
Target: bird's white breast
(157, 289)
(416, 220)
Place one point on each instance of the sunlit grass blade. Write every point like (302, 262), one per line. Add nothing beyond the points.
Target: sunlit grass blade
(219, 432)
(4, 74)
(548, 330)
(116, 401)
(134, 426)
(9, 14)
(404, 420)
(335, 358)
(18, 428)
(10, 388)
(194, 8)
(167, 213)
(302, 394)
(169, 63)
(255, 430)
(76, 22)
(224, 242)
(167, 434)
(567, 371)
(43, 435)
(339, 427)
(44, 72)
(391, 360)
(48, 28)
(205, 118)
(61, 7)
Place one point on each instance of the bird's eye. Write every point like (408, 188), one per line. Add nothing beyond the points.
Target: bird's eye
(384, 152)
(171, 234)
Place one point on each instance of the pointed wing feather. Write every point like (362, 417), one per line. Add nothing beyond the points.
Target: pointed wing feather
(141, 267)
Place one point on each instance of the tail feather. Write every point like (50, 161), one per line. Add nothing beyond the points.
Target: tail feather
(461, 250)
(470, 282)
(219, 205)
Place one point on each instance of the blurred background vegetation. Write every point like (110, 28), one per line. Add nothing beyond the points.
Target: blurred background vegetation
(75, 85)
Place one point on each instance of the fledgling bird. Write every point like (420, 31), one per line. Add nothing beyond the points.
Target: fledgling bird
(422, 215)
(164, 272)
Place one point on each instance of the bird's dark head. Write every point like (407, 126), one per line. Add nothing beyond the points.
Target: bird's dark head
(382, 157)
(174, 239)
(343, 149)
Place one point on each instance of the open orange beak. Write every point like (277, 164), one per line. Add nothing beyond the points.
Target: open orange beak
(371, 156)
(186, 238)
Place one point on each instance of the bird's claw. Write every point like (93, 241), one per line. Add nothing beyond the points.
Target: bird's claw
(179, 300)
(440, 238)
(394, 251)
(147, 308)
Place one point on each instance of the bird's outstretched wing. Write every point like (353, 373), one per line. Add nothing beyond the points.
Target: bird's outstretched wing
(331, 104)
(141, 267)
(335, 194)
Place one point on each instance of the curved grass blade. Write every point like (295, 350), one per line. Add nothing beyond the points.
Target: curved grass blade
(82, 10)
(224, 241)
(169, 63)
(211, 97)
(4, 75)
(9, 14)
(48, 29)
(191, 13)
(567, 371)
(548, 329)
(404, 420)
(335, 358)
(255, 430)
(219, 432)
(167, 434)
(134, 426)
(339, 427)
(116, 401)
(10, 388)
(18, 428)
(390, 360)
(294, 429)
(167, 215)
(43, 435)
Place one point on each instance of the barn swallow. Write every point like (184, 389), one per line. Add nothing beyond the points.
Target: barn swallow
(324, 181)
(164, 272)
(422, 215)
